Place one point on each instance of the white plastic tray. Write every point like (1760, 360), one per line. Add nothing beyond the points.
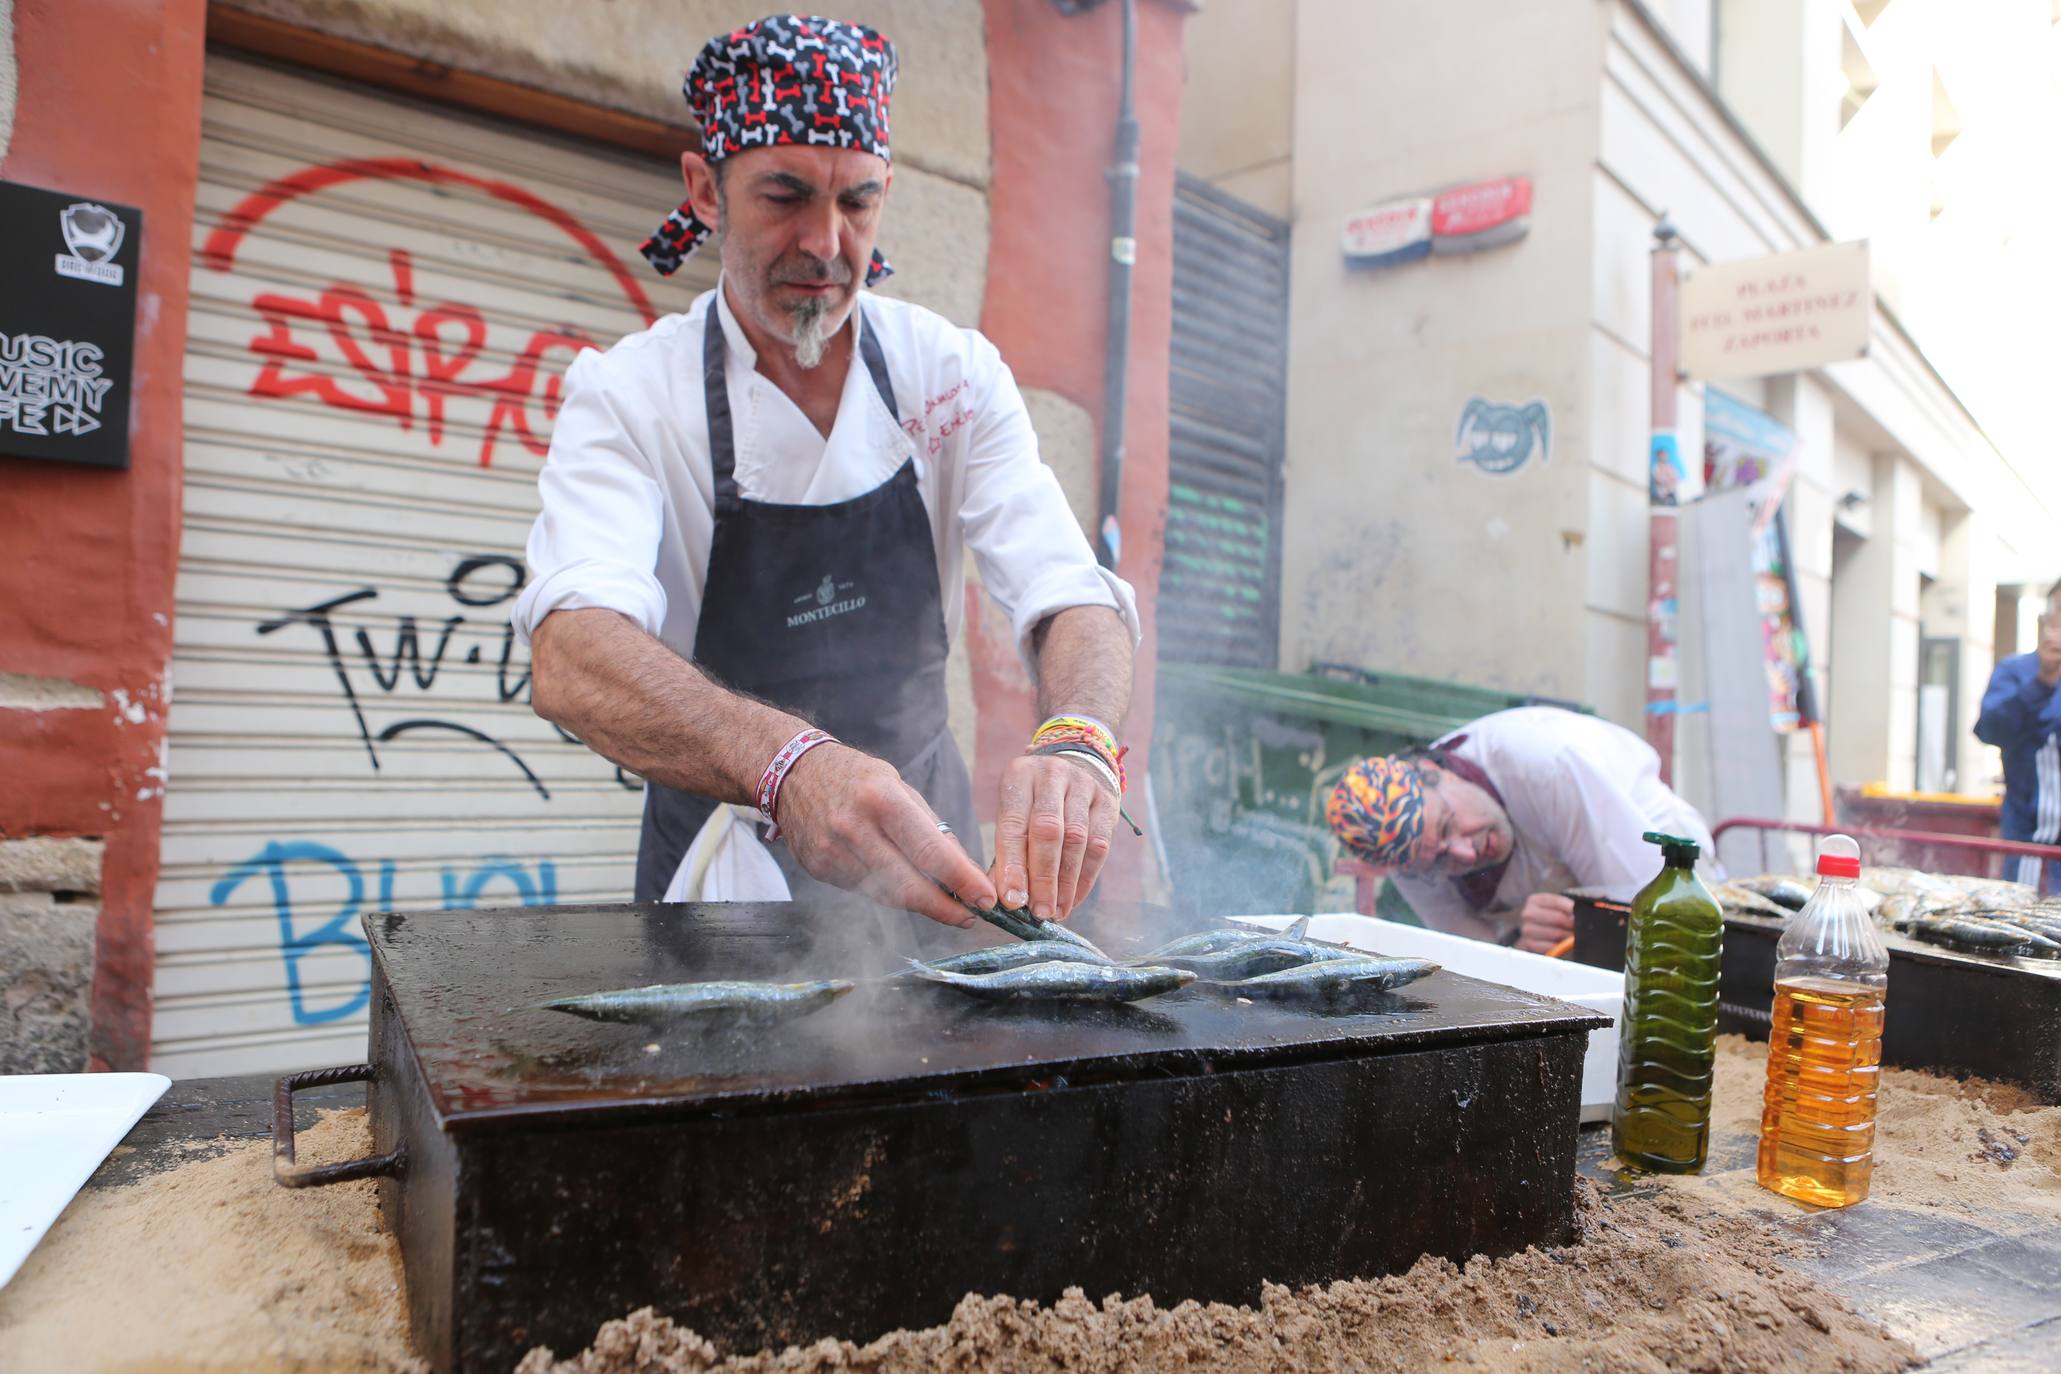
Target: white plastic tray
(54, 1131)
(1598, 989)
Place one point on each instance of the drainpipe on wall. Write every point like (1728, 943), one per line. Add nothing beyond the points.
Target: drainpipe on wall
(10, 83)
(1123, 253)
(1662, 656)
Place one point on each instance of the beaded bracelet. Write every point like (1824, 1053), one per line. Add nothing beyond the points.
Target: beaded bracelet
(1086, 733)
(777, 771)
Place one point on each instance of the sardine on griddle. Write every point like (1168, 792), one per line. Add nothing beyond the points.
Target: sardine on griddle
(1916, 904)
(1779, 888)
(1020, 922)
(1735, 898)
(996, 958)
(1330, 977)
(1252, 958)
(716, 1001)
(1994, 895)
(1989, 937)
(1056, 981)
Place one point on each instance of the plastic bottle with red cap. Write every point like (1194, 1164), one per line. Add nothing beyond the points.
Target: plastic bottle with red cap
(1817, 1125)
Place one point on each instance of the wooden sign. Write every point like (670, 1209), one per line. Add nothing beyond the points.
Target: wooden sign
(1786, 313)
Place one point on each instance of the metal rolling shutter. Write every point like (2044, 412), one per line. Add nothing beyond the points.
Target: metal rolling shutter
(385, 295)
(1220, 589)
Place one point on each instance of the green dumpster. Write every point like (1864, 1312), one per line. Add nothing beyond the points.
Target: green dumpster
(1242, 760)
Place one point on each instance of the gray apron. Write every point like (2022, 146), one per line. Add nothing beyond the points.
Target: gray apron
(831, 612)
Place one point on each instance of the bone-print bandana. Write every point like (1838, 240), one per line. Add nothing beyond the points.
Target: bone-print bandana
(787, 79)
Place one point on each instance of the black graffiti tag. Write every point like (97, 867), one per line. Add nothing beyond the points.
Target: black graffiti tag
(472, 583)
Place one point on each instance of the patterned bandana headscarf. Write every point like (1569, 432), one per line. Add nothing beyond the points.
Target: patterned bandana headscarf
(1377, 810)
(789, 78)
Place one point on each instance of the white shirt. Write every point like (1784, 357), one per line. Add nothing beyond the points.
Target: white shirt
(1580, 793)
(629, 497)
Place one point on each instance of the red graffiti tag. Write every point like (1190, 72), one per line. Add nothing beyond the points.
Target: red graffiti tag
(390, 378)
(401, 366)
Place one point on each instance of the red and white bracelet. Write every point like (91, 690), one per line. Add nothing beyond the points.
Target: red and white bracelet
(777, 771)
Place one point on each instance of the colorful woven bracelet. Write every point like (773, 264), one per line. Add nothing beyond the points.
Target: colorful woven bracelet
(777, 771)
(1084, 732)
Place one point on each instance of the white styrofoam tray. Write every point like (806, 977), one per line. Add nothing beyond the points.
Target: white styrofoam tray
(1600, 990)
(55, 1128)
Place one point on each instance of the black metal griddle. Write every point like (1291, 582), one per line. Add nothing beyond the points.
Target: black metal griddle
(862, 1168)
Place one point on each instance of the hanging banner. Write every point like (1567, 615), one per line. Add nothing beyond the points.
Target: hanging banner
(67, 325)
(1786, 313)
(1744, 447)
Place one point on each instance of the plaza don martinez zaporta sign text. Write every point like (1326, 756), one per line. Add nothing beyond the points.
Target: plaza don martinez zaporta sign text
(1786, 313)
(1464, 219)
(67, 325)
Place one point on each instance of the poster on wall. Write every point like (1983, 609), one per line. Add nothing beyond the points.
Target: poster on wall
(67, 325)
(1744, 447)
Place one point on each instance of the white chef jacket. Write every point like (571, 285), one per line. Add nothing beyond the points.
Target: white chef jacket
(1580, 793)
(629, 499)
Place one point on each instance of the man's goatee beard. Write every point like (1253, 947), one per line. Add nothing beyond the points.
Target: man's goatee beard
(811, 332)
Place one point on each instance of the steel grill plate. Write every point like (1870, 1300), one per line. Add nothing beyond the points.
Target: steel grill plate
(863, 1167)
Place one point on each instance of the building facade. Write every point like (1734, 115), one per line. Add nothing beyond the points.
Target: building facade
(1915, 523)
(261, 681)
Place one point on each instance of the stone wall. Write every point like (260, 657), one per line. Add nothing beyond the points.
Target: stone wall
(49, 907)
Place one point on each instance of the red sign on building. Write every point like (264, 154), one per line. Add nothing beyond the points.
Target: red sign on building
(1481, 216)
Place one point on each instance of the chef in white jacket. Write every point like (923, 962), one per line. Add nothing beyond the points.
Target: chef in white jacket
(756, 519)
(1484, 831)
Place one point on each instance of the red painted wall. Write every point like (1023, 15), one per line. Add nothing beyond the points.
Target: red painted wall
(109, 107)
(1053, 88)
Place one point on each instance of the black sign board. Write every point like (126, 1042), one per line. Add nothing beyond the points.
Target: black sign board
(67, 325)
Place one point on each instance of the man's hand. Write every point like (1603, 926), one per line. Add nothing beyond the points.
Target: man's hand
(1051, 833)
(853, 822)
(1548, 918)
(2050, 651)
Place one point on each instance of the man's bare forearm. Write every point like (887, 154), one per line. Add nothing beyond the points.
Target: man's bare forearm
(1084, 664)
(637, 703)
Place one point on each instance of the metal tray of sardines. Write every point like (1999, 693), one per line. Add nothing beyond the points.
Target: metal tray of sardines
(1974, 970)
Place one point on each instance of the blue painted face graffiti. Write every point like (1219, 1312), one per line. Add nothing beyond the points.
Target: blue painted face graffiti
(1500, 439)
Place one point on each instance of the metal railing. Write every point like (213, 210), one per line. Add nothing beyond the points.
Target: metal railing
(1929, 839)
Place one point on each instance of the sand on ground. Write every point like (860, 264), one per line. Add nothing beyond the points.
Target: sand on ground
(212, 1267)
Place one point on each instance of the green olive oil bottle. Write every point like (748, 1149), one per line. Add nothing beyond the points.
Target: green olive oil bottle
(1667, 1038)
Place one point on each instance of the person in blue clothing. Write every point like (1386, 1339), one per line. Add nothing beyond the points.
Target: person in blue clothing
(2021, 715)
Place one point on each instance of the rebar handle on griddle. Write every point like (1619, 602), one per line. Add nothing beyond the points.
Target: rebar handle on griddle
(289, 1175)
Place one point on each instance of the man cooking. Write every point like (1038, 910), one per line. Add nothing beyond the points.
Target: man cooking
(2021, 716)
(756, 516)
(1484, 830)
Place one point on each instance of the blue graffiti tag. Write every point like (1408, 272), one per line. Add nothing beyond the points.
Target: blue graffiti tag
(293, 945)
(461, 892)
(1501, 438)
(542, 892)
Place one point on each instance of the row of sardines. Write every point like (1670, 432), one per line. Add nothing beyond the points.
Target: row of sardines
(1973, 915)
(1050, 963)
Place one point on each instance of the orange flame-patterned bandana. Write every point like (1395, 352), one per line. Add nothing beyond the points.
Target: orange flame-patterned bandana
(1377, 810)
